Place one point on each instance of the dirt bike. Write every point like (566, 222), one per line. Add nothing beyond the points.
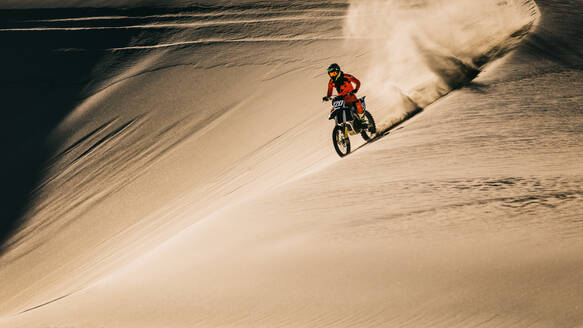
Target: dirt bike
(347, 123)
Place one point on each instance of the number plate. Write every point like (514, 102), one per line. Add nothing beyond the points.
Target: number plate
(338, 103)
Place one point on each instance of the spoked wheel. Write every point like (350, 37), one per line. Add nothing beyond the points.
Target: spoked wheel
(341, 143)
(371, 129)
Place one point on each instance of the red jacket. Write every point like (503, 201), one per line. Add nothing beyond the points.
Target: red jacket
(344, 86)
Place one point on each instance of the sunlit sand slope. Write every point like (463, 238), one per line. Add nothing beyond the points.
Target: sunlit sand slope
(195, 184)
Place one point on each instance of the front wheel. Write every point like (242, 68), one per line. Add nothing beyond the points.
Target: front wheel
(371, 128)
(340, 141)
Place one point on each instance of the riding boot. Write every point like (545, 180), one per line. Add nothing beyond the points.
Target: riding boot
(362, 120)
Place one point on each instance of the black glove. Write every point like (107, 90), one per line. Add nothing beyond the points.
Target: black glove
(353, 92)
(325, 98)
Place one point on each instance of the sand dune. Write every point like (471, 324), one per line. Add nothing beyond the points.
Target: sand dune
(193, 184)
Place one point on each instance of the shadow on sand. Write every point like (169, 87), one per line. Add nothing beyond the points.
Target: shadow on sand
(44, 76)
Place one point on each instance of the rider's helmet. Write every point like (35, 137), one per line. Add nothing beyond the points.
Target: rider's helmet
(334, 71)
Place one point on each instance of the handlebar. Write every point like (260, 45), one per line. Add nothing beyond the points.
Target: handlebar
(333, 98)
(338, 96)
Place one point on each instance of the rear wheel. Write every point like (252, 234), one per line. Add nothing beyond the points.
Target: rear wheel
(341, 143)
(371, 129)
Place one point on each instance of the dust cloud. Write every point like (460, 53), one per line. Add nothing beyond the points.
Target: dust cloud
(423, 49)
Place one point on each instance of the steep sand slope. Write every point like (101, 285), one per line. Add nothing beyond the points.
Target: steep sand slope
(468, 214)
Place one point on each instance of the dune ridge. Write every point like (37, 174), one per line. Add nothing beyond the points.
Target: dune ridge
(194, 183)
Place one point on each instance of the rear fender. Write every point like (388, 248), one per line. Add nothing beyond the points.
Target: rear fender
(363, 103)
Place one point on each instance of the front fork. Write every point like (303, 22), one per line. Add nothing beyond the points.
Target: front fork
(344, 123)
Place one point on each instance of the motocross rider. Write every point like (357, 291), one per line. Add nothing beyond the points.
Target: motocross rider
(343, 84)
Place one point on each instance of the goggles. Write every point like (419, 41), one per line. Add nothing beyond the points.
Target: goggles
(333, 73)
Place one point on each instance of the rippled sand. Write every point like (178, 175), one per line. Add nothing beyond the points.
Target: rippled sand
(193, 184)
